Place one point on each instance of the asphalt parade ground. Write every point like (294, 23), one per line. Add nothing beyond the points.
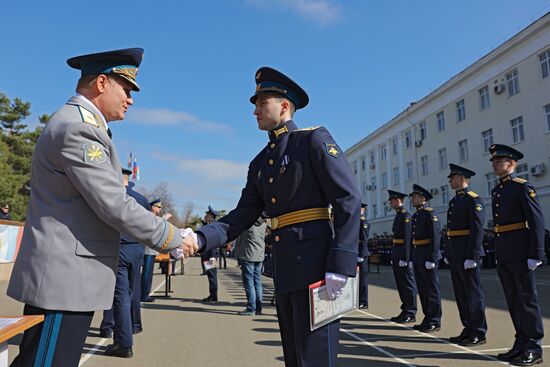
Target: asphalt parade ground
(183, 331)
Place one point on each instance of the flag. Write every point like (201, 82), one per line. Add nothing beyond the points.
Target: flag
(130, 161)
(135, 175)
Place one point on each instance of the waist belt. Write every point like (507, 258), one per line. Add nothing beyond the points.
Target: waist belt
(299, 216)
(427, 241)
(398, 241)
(511, 227)
(458, 232)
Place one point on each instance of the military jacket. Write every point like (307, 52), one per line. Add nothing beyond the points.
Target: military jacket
(298, 169)
(363, 237)
(401, 229)
(466, 212)
(425, 226)
(514, 200)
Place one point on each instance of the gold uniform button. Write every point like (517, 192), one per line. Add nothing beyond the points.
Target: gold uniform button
(270, 180)
(277, 238)
(273, 200)
(270, 162)
(497, 205)
(496, 214)
(272, 145)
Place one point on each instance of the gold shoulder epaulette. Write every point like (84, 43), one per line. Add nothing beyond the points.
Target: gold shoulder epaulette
(403, 211)
(428, 209)
(519, 180)
(87, 116)
(308, 128)
(473, 194)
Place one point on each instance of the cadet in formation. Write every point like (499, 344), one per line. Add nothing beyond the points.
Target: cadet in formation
(363, 259)
(401, 251)
(294, 179)
(426, 236)
(67, 261)
(519, 245)
(208, 259)
(465, 219)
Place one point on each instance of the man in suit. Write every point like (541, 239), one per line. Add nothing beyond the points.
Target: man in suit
(401, 251)
(294, 179)
(465, 218)
(209, 259)
(363, 259)
(519, 246)
(426, 239)
(66, 265)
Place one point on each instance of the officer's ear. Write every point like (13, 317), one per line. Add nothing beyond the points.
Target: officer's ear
(101, 82)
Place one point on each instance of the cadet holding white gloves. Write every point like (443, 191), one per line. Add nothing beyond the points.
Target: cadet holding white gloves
(426, 235)
(465, 218)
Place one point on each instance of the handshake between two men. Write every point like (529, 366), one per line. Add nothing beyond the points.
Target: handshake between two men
(189, 247)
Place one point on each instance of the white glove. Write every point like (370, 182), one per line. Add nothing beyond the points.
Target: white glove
(446, 261)
(411, 266)
(429, 265)
(188, 231)
(402, 263)
(335, 284)
(469, 264)
(177, 253)
(360, 259)
(532, 264)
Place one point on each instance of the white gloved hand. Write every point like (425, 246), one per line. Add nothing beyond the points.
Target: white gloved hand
(446, 261)
(411, 266)
(334, 284)
(532, 264)
(177, 253)
(402, 263)
(360, 259)
(469, 264)
(429, 265)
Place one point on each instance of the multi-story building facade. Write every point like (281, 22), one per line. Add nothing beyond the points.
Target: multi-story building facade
(504, 97)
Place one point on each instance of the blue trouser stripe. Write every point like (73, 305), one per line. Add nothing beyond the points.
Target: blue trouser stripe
(44, 339)
(53, 339)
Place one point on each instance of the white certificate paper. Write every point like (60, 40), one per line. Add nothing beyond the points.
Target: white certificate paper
(7, 321)
(323, 310)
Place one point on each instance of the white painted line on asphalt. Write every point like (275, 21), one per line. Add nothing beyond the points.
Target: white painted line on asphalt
(102, 342)
(436, 338)
(381, 350)
(459, 352)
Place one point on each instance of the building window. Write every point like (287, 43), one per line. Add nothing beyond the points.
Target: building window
(463, 150)
(408, 139)
(364, 187)
(491, 182)
(423, 132)
(409, 171)
(373, 183)
(440, 121)
(517, 129)
(424, 165)
(384, 180)
(371, 160)
(522, 171)
(394, 146)
(442, 158)
(444, 194)
(363, 163)
(487, 140)
(545, 63)
(355, 167)
(374, 210)
(484, 101)
(383, 152)
(460, 110)
(512, 81)
(547, 110)
(396, 175)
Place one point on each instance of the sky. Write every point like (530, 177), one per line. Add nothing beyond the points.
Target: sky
(361, 61)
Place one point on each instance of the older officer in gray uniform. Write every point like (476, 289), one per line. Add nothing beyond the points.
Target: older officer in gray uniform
(67, 262)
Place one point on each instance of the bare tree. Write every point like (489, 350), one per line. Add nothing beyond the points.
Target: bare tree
(162, 192)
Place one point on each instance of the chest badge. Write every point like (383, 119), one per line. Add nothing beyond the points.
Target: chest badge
(332, 150)
(479, 207)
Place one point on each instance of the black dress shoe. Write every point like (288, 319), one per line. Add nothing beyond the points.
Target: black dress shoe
(105, 333)
(148, 299)
(363, 306)
(473, 340)
(395, 318)
(210, 299)
(115, 350)
(419, 326)
(406, 319)
(527, 359)
(430, 328)
(137, 331)
(508, 356)
(459, 338)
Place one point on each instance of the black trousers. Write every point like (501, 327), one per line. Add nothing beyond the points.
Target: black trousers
(427, 282)
(469, 296)
(301, 346)
(520, 290)
(212, 275)
(363, 282)
(406, 287)
(56, 342)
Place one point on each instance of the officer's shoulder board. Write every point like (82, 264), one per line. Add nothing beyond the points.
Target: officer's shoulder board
(519, 180)
(473, 194)
(308, 128)
(428, 209)
(403, 211)
(87, 116)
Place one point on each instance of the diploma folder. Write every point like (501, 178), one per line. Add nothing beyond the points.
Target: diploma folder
(322, 310)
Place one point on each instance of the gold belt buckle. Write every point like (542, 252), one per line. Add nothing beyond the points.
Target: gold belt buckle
(274, 223)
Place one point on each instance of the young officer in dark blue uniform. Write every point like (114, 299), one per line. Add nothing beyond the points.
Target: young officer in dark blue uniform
(126, 305)
(519, 245)
(401, 251)
(465, 218)
(212, 273)
(363, 259)
(426, 253)
(294, 179)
